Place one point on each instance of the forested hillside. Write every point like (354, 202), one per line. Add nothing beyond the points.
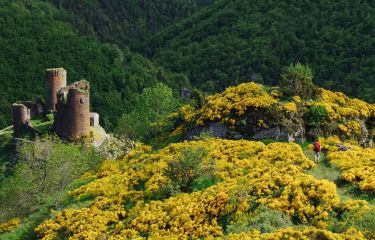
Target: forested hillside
(273, 153)
(128, 22)
(223, 43)
(233, 41)
(31, 40)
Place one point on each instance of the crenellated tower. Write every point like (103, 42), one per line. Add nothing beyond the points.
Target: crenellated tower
(54, 81)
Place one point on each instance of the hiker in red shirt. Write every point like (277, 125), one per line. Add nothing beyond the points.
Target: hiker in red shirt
(317, 150)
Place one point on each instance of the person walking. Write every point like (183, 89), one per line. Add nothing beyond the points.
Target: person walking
(317, 150)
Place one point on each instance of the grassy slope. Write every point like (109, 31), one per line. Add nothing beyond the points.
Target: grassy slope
(325, 170)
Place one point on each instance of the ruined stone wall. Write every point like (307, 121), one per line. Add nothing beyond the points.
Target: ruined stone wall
(21, 118)
(94, 119)
(55, 80)
(36, 108)
(72, 119)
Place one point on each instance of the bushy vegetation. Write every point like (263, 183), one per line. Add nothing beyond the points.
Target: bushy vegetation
(315, 116)
(46, 166)
(357, 165)
(250, 106)
(150, 117)
(297, 80)
(188, 172)
(361, 218)
(262, 219)
(261, 189)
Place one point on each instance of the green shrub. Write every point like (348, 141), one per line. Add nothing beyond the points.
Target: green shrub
(358, 219)
(45, 167)
(315, 116)
(204, 135)
(263, 219)
(297, 81)
(150, 116)
(189, 172)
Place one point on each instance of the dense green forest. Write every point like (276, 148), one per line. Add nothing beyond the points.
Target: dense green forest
(234, 41)
(126, 23)
(31, 40)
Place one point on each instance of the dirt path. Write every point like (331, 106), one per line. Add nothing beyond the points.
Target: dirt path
(324, 170)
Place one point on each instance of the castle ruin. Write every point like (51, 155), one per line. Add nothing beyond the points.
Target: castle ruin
(72, 118)
(55, 80)
(21, 118)
(70, 105)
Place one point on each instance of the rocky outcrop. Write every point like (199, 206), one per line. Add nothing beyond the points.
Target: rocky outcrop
(250, 128)
(215, 129)
(363, 139)
(280, 133)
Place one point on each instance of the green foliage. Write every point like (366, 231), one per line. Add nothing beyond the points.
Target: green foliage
(316, 115)
(233, 41)
(356, 218)
(6, 155)
(204, 135)
(189, 172)
(45, 168)
(26, 229)
(125, 22)
(297, 80)
(198, 98)
(263, 219)
(150, 116)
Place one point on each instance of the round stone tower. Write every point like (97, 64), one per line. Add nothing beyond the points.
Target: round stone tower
(72, 119)
(21, 118)
(79, 104)
(55, 80)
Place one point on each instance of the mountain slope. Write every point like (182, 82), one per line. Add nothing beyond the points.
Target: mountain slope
(210, 187)
(125, 22)
(31, 40)
(233, 41)
(230, 190)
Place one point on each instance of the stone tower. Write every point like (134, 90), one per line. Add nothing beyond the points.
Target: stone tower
(55, 80)
(21, 118)
(72, 118)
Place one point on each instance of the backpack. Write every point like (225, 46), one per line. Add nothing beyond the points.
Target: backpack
(317, 147)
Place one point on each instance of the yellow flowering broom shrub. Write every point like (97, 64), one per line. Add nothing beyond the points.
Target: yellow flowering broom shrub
(343, 114)
(128, 198)
(351, 128)
(339, 106)
(307, 200)
(305, 233)
(234, 102)
(357, 165)
(9, 225)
